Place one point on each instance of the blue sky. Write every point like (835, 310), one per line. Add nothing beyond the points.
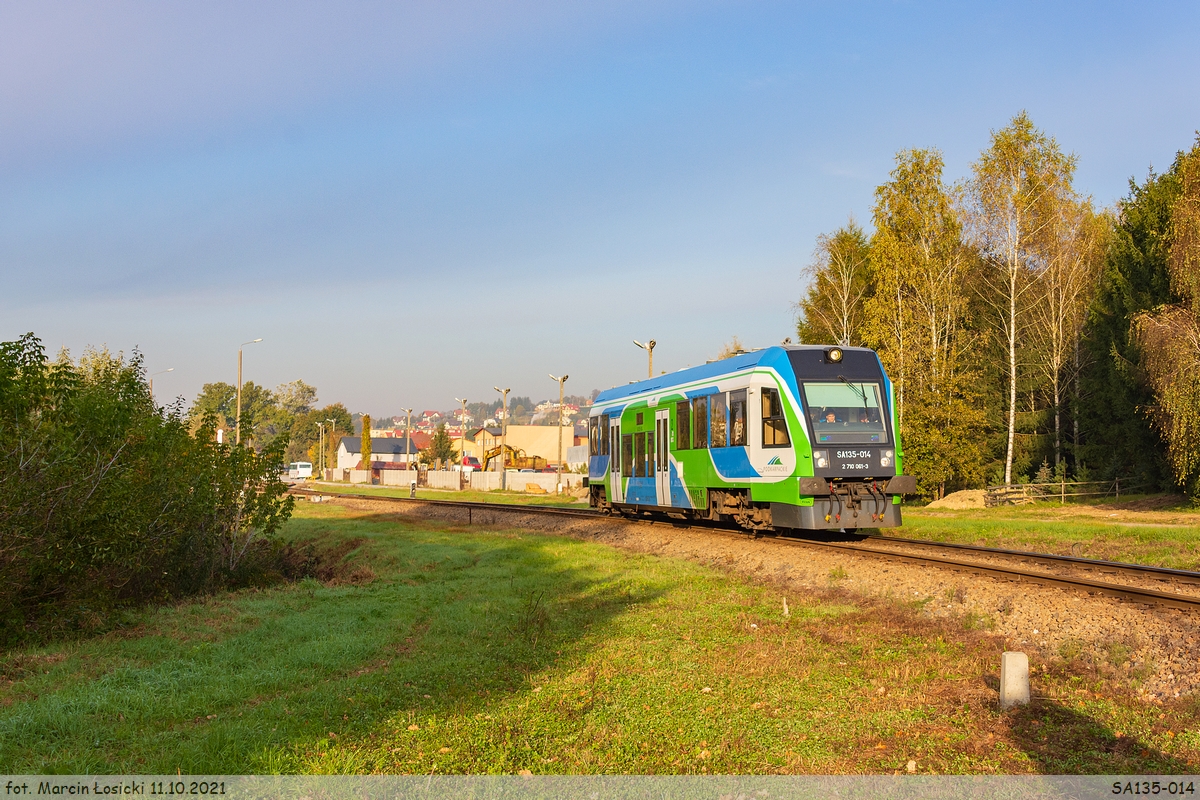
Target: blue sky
(415, 201)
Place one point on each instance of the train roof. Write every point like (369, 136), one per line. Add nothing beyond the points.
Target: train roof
(768, 356)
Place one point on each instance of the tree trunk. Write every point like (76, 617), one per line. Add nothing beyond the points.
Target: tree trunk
(1057, 423)
(1012, 372)
(1075, 409)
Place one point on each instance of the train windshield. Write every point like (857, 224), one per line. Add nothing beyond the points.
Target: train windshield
(846, 411)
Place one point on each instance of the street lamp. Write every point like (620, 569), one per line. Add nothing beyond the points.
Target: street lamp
(160, 372)
(649, 348)
(462, 421)
(408, 439)
(503, 435)
(561, 381)
(238, 435)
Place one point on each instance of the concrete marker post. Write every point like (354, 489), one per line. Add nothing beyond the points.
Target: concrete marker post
(1014, 679)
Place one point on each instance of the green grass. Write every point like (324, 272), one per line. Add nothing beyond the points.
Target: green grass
(1054, 529)
(516, 498)
(491, 651)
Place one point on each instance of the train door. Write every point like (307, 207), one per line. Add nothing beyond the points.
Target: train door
(618, 496)
(662, 458)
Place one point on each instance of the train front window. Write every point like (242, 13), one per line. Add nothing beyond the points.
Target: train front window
(846, 411)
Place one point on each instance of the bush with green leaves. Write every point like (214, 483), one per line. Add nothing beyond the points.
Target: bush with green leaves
(107, 500)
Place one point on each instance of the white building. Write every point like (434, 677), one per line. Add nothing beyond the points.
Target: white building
(398, 450)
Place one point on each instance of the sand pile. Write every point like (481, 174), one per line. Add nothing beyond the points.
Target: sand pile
(967, 498)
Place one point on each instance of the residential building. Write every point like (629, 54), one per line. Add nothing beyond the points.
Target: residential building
(389, 450)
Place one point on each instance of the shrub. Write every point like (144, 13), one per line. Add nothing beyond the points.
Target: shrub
(107, 500)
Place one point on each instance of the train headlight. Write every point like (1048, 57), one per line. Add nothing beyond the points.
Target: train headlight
(833, 355)
(885, 458)
(821, 458)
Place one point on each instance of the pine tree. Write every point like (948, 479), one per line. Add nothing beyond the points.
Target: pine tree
(1116, 437)
(440, 447)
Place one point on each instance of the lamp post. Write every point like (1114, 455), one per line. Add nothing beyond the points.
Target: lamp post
(160, 372)
(238, 434)
(321, 450)
(503, 436)
(408, 439)
(462, 421)
(561, 381)
(649, 348)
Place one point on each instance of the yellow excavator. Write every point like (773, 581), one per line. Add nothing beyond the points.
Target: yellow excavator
(516, 459)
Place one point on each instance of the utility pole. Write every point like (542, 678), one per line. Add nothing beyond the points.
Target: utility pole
(408, 439)
(160, 372)
(321, 450)
(463, 437)
(238, 434)
(503, 436)
(649, 348)
(561, 381)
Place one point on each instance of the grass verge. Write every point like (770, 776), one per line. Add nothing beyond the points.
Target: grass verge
(1166, 540)
(434, 649)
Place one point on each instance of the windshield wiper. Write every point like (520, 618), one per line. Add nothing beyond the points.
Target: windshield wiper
(858, 390)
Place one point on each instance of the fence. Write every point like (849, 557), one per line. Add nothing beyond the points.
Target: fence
(536, 482)
(1022, 493)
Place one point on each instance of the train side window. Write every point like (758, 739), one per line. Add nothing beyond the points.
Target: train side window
(774, 425)
(639, 418)
(603, 435)
(639, 456)
(716, 415)
(627, 455)
(700, 418)
(683, 425)
(593, 436)
(737, 418)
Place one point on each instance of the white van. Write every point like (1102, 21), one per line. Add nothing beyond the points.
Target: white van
(300, 470)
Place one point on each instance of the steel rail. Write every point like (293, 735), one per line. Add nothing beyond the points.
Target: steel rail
(1161, 573)
(1120, 591)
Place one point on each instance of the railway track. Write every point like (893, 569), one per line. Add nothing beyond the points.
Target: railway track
(1072, 573)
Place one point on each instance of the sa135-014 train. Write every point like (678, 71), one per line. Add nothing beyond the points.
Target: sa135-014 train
(782, 438)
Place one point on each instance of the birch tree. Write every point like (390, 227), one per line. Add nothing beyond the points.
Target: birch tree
(916, 320)
(840, 275)
(1016, 186)
(1074, 250)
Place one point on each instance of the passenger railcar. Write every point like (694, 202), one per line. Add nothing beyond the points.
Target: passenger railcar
(783, 438)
